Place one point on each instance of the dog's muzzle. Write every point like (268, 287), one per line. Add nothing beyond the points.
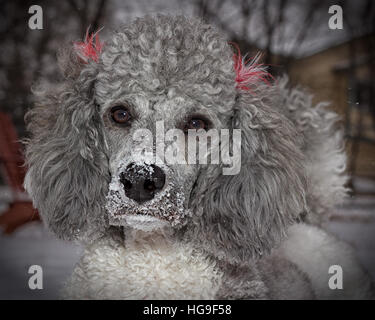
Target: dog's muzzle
(144, 195)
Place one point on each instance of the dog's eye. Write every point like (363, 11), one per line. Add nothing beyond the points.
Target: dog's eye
(120, 114)
(196, 123)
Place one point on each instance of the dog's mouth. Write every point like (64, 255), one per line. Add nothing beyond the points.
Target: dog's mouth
(167, 207)
(144, 222)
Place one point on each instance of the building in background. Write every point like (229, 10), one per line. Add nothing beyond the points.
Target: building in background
(344, 75)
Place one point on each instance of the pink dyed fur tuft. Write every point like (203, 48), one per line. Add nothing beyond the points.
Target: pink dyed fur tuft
(88, 49)
(249, 72)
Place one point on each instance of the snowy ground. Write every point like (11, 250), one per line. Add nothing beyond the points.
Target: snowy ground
(33, 245)
(353, 222)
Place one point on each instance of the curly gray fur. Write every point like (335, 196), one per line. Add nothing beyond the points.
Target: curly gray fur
(177, 65)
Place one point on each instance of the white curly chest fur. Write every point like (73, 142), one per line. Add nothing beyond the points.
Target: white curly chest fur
(148, 267)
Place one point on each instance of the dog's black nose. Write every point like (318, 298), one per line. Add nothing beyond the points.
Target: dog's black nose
(142, 182)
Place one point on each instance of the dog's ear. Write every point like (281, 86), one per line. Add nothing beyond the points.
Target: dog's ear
(242, 216)
(70, 63)
(72, 59)
(66, 156)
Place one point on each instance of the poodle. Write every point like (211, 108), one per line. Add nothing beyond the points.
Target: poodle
(157, 230)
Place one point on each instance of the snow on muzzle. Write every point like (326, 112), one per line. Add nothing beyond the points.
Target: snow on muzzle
(144, 196)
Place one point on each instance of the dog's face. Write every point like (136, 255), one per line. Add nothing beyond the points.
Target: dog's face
(175, 81)
(90, 166)
(147, 190)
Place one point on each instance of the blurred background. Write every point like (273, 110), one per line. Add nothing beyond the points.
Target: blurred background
(294, 38)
